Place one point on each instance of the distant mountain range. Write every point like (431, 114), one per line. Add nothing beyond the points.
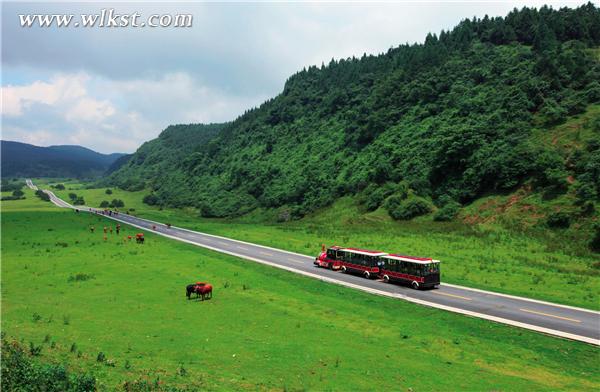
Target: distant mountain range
(26, 160)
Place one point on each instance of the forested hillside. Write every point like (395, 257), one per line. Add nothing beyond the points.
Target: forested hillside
(158, 162)
(26, 160)
(423, 128)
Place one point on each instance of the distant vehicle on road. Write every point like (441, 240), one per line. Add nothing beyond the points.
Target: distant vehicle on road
(418, 272)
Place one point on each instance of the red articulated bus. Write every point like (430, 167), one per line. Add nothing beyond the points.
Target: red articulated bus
(418, 272)
(362, 261)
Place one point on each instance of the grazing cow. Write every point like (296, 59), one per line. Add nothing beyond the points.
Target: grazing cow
(203, 290)
(189, 289)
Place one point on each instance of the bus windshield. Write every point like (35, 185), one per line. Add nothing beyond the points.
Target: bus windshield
(431, 268)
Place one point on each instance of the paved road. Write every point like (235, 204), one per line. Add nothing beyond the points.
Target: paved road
(553, 319)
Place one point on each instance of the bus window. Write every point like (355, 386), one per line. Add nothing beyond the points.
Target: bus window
(331, 254)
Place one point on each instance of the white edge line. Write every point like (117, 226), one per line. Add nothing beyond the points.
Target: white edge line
(521, 298)
(547, 331)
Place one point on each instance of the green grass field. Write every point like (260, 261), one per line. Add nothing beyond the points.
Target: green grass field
(265, 329)
(537, 263)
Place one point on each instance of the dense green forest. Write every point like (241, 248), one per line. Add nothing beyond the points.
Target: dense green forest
(157, 163)
(423, 128)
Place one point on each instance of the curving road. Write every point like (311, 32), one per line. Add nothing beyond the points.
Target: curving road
(549, 318)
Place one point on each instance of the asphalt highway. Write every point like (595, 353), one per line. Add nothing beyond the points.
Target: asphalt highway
(549, 318)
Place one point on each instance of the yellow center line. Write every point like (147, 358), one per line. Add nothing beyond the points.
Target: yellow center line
(452, 295)
(266, 253)
(550, 315)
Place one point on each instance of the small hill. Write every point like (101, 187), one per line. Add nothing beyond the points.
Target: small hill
(26, 160)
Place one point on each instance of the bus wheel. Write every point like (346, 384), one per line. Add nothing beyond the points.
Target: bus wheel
(367, 275)
(415, 285)
(331, 266)
(343, 268)
(386, 279)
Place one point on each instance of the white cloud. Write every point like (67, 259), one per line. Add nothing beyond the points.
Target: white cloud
(89, 109)
(16, 99)
(111, 115)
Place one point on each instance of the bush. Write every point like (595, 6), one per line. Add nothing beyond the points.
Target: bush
(447, 212)
(558, 220)
(79, 201)
(108, 191)
(553, 113)
(104, 204)
(408, 209)
(60, 187)
(116, 203)
(39, 193)
(376, 194)
(72, 196)
(4, 198)
(20, 373)
(18, 193)
(150, 199)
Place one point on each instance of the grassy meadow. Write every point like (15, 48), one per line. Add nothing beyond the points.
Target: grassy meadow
(476, 250)
(75, 295)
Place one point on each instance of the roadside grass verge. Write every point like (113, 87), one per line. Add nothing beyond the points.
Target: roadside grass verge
(265, 329)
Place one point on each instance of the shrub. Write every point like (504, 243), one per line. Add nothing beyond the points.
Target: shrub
(558, 220)
(18, 193)
(79, 201)
(553, 112)
(108, 191)
(60, 187)
(104, 204)
(150, 199)
(21, 373)
(376, 194)
(34, 350)
(447, 212)
(408, 209)
(80, 277)
(116, 203)
(42, 195)
(72, 196)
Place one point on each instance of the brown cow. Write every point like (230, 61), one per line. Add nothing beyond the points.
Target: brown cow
(201, 289)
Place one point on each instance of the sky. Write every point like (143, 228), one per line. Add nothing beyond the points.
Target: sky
(111, 89)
